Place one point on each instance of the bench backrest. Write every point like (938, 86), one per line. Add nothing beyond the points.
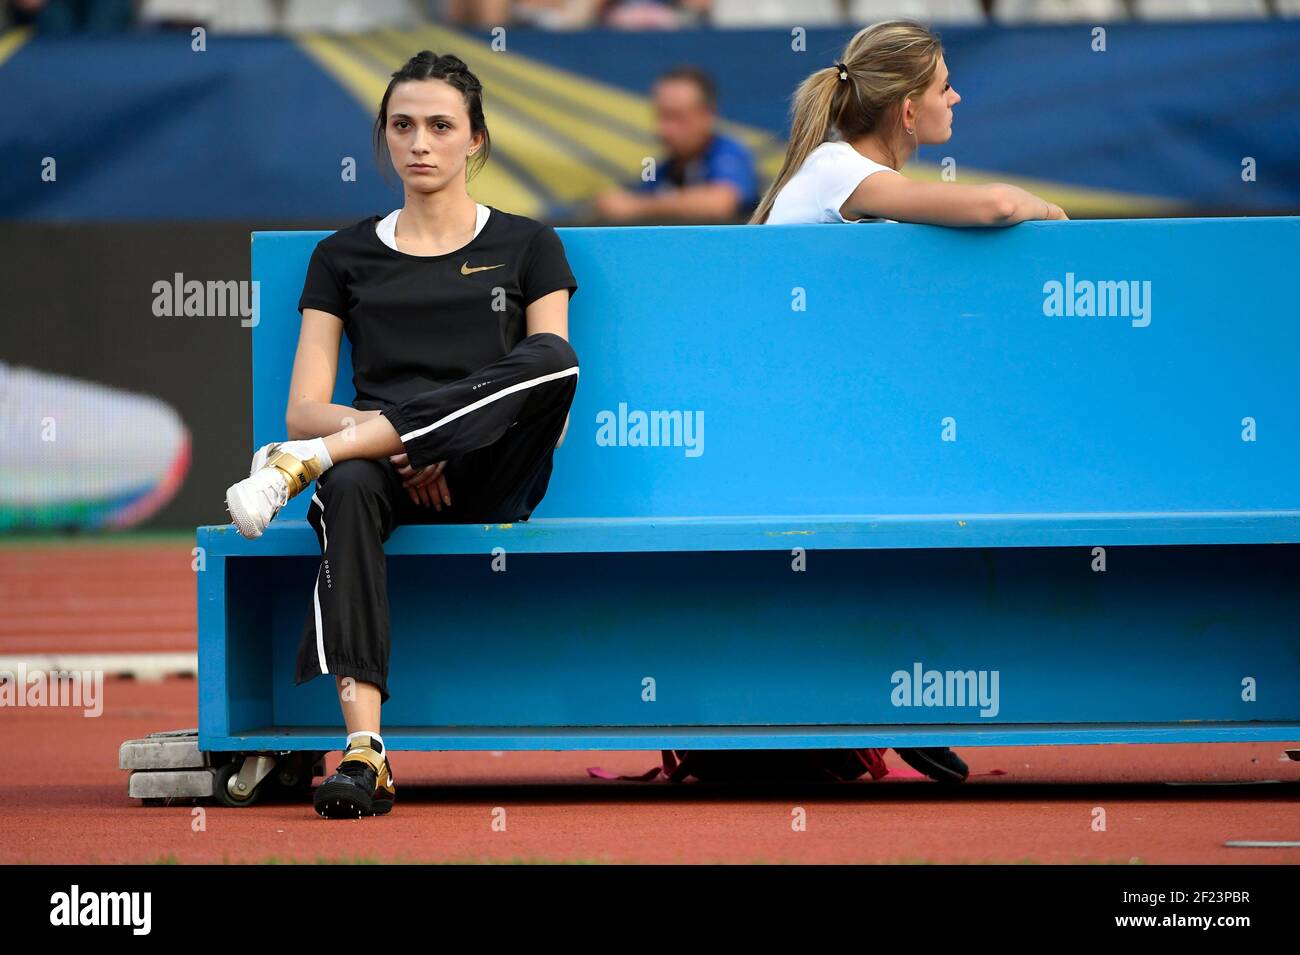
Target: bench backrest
(903, 369)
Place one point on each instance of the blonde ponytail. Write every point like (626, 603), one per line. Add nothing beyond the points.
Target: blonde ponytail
(810, 121)
(885, 64)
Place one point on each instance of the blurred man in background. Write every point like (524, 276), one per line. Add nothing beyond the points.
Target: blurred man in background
(575, 14)
(705, 177)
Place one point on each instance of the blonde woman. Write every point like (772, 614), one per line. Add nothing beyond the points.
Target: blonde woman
(866, 114)
(889, 93)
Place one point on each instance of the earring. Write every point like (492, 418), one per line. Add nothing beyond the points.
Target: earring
(910, 132)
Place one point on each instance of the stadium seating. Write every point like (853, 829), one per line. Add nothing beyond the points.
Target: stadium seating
(768, 13)
(1200, 9)
(267, 16)
(775, 13)
(1060, 11)
(929, 11)
(828, 486)
(345, 16)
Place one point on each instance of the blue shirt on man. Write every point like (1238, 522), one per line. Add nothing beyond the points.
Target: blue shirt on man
(723, 160)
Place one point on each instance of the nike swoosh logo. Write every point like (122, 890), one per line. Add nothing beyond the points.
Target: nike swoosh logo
(466, 270)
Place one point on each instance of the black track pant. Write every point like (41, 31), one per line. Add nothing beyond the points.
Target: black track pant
(496, 429)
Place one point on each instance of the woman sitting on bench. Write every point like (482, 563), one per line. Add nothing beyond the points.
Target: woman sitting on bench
(866, 114)
(458, 318)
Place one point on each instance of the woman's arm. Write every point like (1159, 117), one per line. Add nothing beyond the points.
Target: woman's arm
(945, 203)
(428, 486)
(550, 313)
(310, 414)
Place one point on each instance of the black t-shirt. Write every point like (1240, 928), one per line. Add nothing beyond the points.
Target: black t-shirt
(420, 321)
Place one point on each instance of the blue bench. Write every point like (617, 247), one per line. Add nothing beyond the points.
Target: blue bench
(840, 487)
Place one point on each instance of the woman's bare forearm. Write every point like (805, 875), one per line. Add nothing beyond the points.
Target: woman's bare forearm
(945, 203)
(316, 419)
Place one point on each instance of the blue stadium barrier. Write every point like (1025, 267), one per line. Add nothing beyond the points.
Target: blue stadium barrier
(889, 485)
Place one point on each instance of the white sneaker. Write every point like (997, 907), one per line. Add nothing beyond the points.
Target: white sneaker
(254, 501)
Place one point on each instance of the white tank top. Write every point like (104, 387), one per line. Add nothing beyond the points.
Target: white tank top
(386, 228)
(817, 190)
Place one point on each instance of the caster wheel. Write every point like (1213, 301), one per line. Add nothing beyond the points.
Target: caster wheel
(223, 788)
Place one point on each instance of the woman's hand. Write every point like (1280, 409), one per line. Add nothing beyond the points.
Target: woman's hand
(427, 486)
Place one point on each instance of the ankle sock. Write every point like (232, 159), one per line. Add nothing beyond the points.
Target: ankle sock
(310, 448)
(378, 740)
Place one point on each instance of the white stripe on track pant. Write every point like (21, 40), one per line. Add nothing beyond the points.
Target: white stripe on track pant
(496, 429)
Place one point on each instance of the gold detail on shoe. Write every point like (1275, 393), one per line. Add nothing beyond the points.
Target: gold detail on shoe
(466, 270)
(364, 754)
(298, 473)
(379, 763)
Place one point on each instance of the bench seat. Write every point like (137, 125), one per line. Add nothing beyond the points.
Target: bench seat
(554, 535)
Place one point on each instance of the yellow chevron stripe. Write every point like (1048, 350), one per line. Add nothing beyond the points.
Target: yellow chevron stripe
(558, 169)
(612, 102)
(493, 185)
(604, 99)
(633, 110)
(12, 40)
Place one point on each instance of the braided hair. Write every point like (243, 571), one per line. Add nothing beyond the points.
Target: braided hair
(427, 65)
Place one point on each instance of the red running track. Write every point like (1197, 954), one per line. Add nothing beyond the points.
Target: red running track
(101, 597)
(69, 803)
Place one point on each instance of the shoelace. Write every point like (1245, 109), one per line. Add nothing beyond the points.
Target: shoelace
(361, 772)
(356, 769)
(275, 488)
